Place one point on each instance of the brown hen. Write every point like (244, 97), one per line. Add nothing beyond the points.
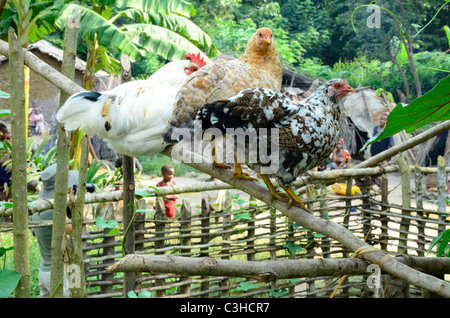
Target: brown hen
(259, 66)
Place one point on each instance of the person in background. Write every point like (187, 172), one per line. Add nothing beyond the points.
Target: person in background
(31, 118)
(44, 234)
(39, 117)
(380, 146)
(5, 172)
(170, 200)
(340, 157)
(384, 144)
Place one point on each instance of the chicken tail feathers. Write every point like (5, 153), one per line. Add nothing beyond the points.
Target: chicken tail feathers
(80, 112)
(92, 96)
(220, 115)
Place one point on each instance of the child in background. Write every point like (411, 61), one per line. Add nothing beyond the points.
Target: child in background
(170, 200)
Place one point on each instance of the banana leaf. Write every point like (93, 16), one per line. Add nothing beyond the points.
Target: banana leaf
(108, 35)
(432, 107)
(164, 6)
(161, 41)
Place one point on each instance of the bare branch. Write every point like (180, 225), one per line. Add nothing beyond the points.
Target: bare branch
(265, 271)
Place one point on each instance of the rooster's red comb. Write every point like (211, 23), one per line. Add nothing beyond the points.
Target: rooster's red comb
(195, 59)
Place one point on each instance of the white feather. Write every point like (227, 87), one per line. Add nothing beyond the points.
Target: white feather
(137, 115)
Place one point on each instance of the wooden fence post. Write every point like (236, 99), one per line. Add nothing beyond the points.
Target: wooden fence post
(19, 166)
(160, 227)
(442, 198)
(226, 222)
(109, 249)
(139, 226)
(205, 222)
(251, 235)
(421, 215)
(185, 230)
(406, 205)
(324, 215)
(384, 219)
(128, 192)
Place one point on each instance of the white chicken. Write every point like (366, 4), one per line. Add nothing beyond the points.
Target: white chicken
(131, 117)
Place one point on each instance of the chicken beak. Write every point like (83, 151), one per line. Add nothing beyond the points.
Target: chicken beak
(350, 90)
(268, 41)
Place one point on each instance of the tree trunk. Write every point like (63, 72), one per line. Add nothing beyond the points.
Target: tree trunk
(409, 51)
(19, 165)
(77, 282)
(393, 53)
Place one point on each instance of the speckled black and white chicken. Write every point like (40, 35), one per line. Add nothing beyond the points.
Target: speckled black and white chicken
(306, 132)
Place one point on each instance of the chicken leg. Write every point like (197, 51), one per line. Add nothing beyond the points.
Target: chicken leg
(216, 164)
(274, 194)
(238, 173)
(295, 199)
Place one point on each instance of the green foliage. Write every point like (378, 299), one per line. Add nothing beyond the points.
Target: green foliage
(441, 240)
(107, 225)
(8, 282)
(143, 294)
(278, 293)
(429, 108)
(293, 248)
(152, 166)
(31, 20)
(4, 96)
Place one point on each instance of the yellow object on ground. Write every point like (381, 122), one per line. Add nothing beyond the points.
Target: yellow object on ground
(341, 188)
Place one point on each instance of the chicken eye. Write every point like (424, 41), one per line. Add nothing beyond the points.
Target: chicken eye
(337, 85)
(194, 69)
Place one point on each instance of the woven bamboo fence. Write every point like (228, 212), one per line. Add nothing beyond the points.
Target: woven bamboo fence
(251, 231)
(248, 230)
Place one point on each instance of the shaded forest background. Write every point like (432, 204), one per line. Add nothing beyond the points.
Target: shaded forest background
(317, 37)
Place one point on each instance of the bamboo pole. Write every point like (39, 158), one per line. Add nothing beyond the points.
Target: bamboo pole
(419, 205)
(19, 166)
(226, 222)
(160, 217)
(61, 179)
(74, 243)
(185, 228)
(442, 197)
(406, 205)
(384, 219)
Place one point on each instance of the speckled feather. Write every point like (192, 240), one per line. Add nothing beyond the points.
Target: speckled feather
(308, 130)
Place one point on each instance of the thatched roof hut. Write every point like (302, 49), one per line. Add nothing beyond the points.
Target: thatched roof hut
(46, 94)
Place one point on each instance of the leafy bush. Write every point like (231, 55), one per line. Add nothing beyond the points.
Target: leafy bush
(152, 166)
(376, 74)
